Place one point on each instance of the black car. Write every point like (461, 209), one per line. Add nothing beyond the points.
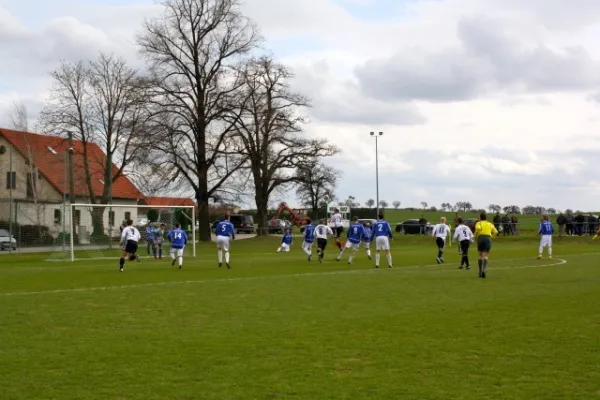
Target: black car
(412, 227)
(242, 223)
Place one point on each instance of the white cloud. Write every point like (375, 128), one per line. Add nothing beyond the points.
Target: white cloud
(471, 94)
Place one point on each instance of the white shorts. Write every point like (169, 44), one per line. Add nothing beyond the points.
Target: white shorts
(353, 246)
(307, 245)
(285, 247)
(179, 252)
(366, 245)
(382, 243)
(223, 242)
(546, 241)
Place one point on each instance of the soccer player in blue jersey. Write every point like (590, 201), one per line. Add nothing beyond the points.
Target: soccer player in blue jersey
(150, 239)
(546, 231)
(382, 233)
(309, 238)
(367, 239)
(286, 242)
(178, 239)
(224, 230)
(355, 235)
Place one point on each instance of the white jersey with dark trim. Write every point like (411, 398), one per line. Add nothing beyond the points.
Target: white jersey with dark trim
(321, 231)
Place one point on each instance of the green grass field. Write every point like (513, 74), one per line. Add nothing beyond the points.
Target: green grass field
(278, 327)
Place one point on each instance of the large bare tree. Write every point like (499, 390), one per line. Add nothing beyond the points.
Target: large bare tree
(101, 102)
(271, 130)
(192, 50)
(316, 184)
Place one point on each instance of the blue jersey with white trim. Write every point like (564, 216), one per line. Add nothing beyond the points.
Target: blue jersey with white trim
(546, 228)
(178, 238)
(382, 228)
(287, 239)
(309, 233)
(356, 233)
(225, 228)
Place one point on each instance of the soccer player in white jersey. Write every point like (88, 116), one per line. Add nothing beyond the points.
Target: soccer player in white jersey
(382, 232)
(336, 221)
(464, 236)
(440, 232)
(129, 244)
(546, 230)
(322, 231)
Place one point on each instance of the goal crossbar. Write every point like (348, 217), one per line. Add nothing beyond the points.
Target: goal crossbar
(110, 206)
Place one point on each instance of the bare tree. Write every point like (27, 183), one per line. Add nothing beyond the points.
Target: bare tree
(270, 130)
(396, 204)
(370, 203)
(383, 204)
(192, 50)
(316, 182)
(424, 205)
(102, 103)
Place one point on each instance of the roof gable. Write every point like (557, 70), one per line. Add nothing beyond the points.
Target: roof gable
(48, 154)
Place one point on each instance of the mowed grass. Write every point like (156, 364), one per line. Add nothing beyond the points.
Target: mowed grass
(278, 327)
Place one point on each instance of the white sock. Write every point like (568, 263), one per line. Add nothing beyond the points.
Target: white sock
(307, 250)
(369, 252)
(172, 256)
(389, 258)
(377, 257)
(351, 257)
(279, 249)
(549, 251)
(220, 254)
(180, 261)
(227, 257)
(541, 250)
(339, 257)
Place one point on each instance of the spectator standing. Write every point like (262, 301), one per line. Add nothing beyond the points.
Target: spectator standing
(569, 223)
(497, 220)
(579, 222)
(422, 224)
(514, 224)
(561, 220)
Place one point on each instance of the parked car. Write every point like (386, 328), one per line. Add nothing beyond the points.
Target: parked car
(470, 223)
(367, 220)
(7, 241)
(241, 222)
(412, 227)
(278, 225)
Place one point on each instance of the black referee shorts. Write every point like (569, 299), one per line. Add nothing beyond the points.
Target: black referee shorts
(338, 231)
(131, 247)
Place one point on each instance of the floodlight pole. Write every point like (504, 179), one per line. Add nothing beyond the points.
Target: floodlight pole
(377, 169)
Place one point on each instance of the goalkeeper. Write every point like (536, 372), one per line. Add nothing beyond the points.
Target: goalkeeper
(158, 241)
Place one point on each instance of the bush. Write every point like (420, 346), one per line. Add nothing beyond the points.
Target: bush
(29, 235)
(99, 238)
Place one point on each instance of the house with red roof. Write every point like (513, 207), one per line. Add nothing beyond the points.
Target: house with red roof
(36, 173)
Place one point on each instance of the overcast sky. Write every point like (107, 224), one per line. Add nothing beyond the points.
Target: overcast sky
(488, 101)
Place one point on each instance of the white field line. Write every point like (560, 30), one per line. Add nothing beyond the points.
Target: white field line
(71, 265)
(308, 274)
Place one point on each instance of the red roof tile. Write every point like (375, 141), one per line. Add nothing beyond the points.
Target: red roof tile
(47, 153)
(169, 201)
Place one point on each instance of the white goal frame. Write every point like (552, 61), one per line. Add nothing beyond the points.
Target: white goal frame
(111, 206)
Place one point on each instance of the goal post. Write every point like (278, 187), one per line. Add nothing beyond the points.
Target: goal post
(95, 229)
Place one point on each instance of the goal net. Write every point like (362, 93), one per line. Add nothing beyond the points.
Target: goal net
(93, 232)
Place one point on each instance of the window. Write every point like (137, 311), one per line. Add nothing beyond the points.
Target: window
(77, 217)
(11, 180)
(31, 185)
(57, 216)
(111, 218)
(127, 216)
